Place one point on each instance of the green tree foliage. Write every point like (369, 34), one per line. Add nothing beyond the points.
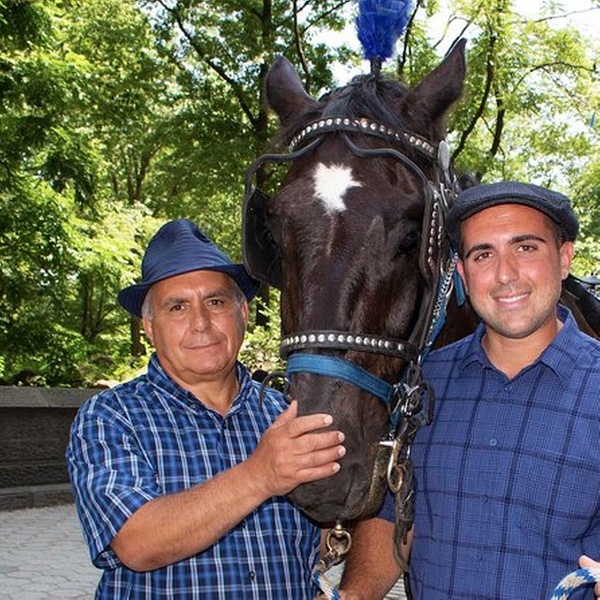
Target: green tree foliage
(222, 51)
(116, 115)
(530, 104)
(63, 257)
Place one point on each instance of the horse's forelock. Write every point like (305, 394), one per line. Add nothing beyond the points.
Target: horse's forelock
(373, 98)
(378, 100)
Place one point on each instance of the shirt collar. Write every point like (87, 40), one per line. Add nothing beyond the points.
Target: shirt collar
(560, 356)
(158, 378)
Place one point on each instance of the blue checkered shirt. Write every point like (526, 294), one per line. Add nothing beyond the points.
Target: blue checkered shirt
(508, 474)
(150, 437)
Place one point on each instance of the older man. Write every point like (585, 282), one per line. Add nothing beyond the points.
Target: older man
(508, 474)
(180, 475)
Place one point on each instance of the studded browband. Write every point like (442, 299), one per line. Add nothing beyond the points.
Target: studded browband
(339, 340)
(365, 126)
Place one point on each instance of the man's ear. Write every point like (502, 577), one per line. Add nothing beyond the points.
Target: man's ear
(567, 250)
(147, 325)
(245, 311)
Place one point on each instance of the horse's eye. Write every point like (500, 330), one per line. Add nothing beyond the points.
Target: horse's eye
(408, 243)
(272, 226)
(273, 234)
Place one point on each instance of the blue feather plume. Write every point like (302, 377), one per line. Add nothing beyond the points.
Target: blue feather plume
(379, 25)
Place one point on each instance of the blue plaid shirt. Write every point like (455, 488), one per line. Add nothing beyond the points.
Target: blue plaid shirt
(150, 437)
(508, 474)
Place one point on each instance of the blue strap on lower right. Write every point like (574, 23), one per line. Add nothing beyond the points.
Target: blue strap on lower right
(575, 580)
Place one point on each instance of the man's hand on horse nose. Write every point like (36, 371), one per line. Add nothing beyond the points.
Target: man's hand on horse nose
(297, 450)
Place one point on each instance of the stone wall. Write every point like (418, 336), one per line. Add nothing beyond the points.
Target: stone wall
(34, 429)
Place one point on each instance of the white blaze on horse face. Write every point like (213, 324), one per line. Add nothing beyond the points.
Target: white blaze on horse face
(331, 184)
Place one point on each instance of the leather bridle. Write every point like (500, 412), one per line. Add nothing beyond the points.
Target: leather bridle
(436, 262)
(410, 401)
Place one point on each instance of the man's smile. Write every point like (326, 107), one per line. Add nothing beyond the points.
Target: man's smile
(512, 298)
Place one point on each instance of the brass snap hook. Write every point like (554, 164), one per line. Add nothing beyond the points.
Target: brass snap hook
(338, 540)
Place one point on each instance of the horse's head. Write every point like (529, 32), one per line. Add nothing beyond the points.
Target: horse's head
(352, 238)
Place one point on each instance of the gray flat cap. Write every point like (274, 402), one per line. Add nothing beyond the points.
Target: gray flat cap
(480, 197)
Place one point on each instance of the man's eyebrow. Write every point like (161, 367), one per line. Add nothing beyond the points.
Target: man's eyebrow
(173, 300)
(478, 248)
(221, 292)
(528, 237)
(517, 239)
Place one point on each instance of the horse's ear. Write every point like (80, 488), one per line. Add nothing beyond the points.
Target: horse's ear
(444, 85)
(285, 93)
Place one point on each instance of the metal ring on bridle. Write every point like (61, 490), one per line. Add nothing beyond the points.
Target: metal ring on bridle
(343, 536)
(396, 470)
(265, 383)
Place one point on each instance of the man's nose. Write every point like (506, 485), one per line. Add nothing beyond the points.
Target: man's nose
(506, 268)
(200, 318)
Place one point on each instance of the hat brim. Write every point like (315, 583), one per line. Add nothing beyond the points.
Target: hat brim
(132, 298)
(474, 200)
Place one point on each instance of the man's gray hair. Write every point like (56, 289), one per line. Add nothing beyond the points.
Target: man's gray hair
(147, 306)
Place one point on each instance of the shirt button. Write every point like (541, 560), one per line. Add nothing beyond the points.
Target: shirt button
(251, 575)
(493, 442)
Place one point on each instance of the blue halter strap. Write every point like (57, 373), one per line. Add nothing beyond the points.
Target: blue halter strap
(342, 369)
(320, 364)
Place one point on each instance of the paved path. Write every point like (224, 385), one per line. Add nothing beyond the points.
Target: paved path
(43, 556)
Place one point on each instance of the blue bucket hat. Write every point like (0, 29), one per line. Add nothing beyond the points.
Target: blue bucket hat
(179, 247)
(480, 197)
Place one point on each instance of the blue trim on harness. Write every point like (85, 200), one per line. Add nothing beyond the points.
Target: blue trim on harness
(459, 289)
(450, 280)
(342, 369)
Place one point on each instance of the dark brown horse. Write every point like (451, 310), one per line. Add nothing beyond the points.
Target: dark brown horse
(354, 239)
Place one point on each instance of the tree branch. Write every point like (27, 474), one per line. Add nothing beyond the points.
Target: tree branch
(489, 78)
(203, 55)
(299, 48)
